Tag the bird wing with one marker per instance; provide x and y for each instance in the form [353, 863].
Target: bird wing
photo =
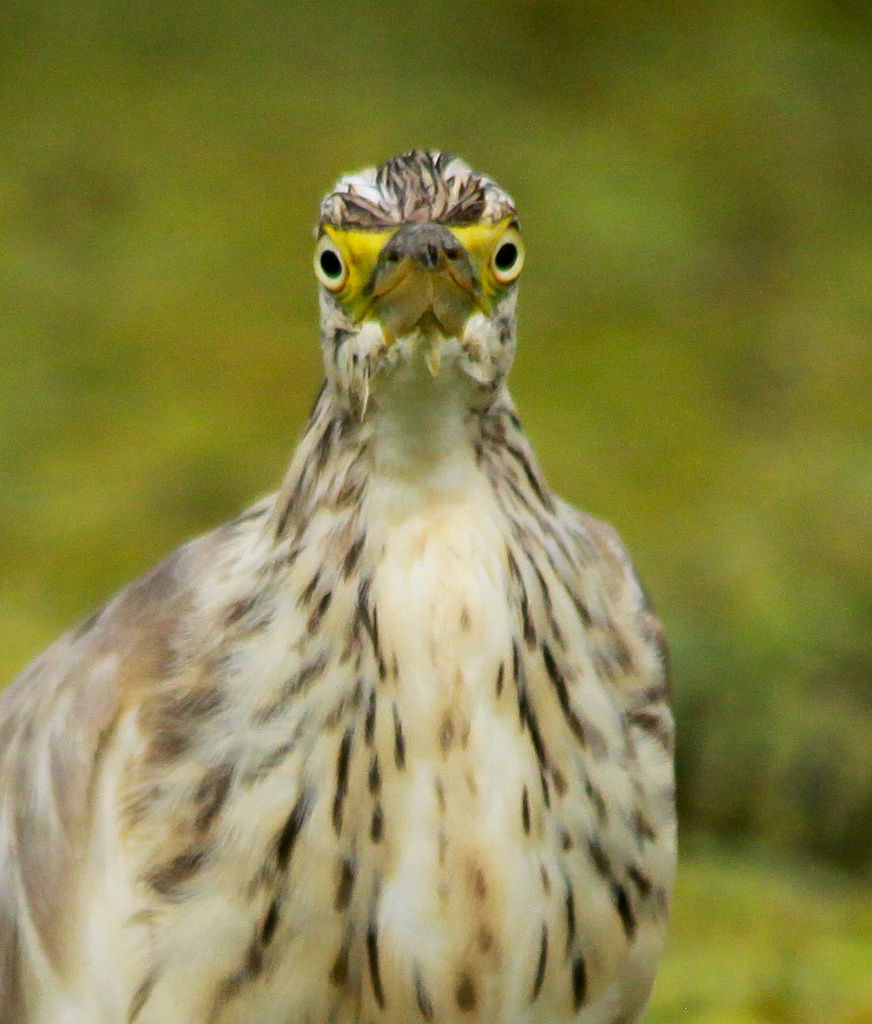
[55, 720]
[626, 614]
[631, 659]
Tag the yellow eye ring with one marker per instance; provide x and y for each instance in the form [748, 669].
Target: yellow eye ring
[330, 266]
[507, 259]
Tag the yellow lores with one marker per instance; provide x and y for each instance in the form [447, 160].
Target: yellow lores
[387, 274]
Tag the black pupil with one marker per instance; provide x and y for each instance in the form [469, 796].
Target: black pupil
[330, 263]
[506, 256]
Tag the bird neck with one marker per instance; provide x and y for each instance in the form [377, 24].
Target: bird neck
[423, 437]
[422, 426]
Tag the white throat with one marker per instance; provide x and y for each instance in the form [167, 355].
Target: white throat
[422, 425]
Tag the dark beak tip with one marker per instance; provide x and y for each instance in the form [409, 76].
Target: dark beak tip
[430, 256]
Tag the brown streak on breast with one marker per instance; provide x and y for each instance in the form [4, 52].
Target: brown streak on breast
[211, 795]
[446, 732]
[169, 878]
[477, 881]
[464, 994]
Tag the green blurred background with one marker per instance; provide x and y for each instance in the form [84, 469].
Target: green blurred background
[695, 362]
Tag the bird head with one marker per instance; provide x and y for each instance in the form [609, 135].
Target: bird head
[417, 262]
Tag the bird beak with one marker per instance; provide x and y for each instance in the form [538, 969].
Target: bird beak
[424, 279]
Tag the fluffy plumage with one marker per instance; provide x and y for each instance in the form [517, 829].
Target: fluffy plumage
[394, 745]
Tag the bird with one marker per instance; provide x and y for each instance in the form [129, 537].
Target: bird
[393, 745]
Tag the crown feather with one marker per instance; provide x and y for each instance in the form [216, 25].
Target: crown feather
[416, 186]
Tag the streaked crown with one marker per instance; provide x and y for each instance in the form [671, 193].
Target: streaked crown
[417, 186]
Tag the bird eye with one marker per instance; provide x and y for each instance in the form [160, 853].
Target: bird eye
[330, 268]
[508, 257]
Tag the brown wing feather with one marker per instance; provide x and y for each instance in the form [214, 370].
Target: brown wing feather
[645, 666]
[54, 719]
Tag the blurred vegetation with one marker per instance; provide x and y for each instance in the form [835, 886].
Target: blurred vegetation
[752, 942]
[695, 360]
